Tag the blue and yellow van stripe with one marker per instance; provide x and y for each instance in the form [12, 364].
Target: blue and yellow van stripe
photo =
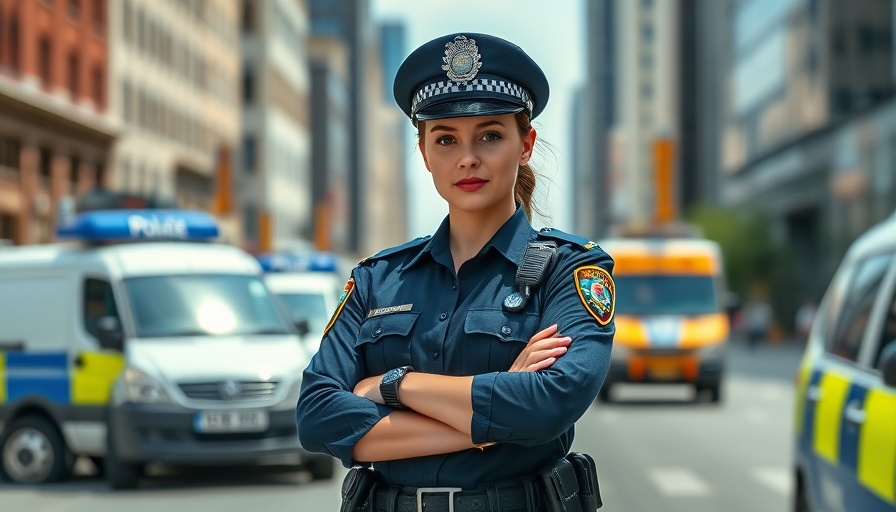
[870, 452]
[50, 376]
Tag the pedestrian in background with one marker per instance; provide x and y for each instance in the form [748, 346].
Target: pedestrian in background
[457, 364]
[757, 320]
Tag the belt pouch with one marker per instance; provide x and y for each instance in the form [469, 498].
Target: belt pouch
[561, 488]
[586, 476]
[357, 489]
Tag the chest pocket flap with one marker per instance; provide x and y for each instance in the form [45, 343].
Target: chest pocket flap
[394, 324]
[504, 325]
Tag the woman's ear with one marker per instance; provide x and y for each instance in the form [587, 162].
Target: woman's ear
[528, 146]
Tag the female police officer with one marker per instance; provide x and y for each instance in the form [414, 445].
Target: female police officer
[457, 364]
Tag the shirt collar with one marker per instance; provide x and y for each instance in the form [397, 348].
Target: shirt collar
[510, 240]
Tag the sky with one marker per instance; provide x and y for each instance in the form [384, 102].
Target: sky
[552, 33]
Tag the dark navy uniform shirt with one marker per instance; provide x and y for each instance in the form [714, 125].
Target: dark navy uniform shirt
[453, 324]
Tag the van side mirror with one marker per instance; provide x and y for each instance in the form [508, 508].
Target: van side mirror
[888, 364]
[302, 326]
[109, 333]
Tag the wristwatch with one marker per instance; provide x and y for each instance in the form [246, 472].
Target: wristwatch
[389, 385]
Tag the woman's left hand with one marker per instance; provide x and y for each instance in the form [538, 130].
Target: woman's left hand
[369, 388]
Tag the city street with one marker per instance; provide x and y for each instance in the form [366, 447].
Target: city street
[656, 449]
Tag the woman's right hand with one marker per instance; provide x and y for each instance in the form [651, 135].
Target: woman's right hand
[542, 351]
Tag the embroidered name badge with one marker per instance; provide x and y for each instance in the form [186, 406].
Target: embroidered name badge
[597, 291]
[346, 292]
[388, 310]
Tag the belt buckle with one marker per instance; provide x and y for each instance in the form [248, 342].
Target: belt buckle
[437, 490]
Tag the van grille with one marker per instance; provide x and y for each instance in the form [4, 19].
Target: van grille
[229, 390]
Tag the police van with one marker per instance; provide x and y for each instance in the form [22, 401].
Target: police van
[309, 285]
[845, 411]
[138, 341]
[671, 325]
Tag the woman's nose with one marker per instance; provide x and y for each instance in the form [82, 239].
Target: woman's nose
[468, 158]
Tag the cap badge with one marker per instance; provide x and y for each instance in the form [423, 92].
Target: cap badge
[461, 59]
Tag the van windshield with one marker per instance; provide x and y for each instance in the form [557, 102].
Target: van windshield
[665, 295]
[202, 305]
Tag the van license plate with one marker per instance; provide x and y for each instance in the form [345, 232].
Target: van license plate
[231, 421]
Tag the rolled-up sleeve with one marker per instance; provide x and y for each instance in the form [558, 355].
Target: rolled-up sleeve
[329, 416]
[533, 408]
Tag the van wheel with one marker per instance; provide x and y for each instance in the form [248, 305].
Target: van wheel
[800, 502]
[604, 394]
[321, 468]
[120, 474]
[33, 452]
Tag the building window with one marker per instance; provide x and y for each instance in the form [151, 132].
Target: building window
[248, 85]
[99, 176]
[75, 173]
[2, 41]
[13, 42]
[45, 168]
[73, 72]
[44, 61]
[127, 25]
[99, 16]
[97, 79]
[9, 153]
[647, 32]
[74, 9]
[249, 153]
[248, 17]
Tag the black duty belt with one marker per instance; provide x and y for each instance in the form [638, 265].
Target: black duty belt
[516, 497]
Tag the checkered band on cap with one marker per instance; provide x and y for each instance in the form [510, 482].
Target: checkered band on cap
[479, 84]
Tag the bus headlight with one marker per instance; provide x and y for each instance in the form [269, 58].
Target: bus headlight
[141, 388]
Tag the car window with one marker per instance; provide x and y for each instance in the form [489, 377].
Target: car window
[98, 302]
[888, 332]
[861, 290]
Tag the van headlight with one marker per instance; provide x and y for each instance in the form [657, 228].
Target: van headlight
[141, 388]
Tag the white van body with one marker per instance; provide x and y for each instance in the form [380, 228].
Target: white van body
[210, 396]
[308, 296]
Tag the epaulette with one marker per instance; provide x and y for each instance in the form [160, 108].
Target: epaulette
[397, 249]
[563, 236]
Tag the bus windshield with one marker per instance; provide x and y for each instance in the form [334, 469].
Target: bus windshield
[665, 295]
[203, 305]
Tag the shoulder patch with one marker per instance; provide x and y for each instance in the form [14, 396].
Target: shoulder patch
[597, 291]
[397, 249]
[346, 292]
[569, 238]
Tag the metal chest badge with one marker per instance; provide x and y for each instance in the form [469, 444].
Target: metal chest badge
[597, 291]
[461, 59]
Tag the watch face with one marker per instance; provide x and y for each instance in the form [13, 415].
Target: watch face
[392, 375]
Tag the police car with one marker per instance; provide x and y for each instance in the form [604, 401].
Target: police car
[308, 284]
[845, 417]
[140, 341]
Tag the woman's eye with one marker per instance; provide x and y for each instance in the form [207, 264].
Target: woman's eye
[491, 136]
[444, 141]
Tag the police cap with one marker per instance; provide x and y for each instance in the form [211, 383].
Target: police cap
[469, 74]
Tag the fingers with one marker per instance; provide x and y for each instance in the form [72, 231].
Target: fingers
[545, 333]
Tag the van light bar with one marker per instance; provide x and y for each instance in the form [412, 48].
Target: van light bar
[120, 225]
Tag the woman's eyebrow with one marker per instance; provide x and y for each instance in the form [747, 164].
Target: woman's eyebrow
[480, 125]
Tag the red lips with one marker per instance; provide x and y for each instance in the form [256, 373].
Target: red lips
[470, 184]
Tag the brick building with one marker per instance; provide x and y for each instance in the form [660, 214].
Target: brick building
[54, 134]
